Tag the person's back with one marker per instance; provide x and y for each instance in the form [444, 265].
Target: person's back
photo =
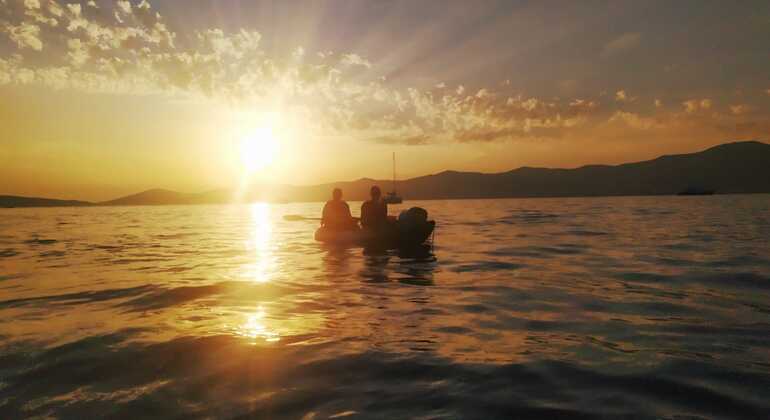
[374, 212]
[336, 213]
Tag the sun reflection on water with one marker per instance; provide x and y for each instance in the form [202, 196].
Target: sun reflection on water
[259, 243]
[255, 327]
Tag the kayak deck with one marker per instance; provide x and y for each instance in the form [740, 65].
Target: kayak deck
[397, 237]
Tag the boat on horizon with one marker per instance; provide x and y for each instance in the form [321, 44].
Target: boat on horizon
[392, 197]
[696, 191]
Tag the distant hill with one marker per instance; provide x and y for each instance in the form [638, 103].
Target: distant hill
[741, 167]
[17, 201]
[160, 196]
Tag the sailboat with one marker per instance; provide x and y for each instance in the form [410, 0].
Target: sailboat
[393, 197]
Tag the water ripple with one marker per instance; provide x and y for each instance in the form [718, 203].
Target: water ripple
[626, 307]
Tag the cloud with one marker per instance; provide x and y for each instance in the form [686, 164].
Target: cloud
[55, 9]
[740, 109]
[337, 94]
[78, 53]
[355, 60]
[635, 120]
[695, 105]
[483, 93]
[583, 104]
[622, 96]
[25, 35]
[124, 6]
[622, 43]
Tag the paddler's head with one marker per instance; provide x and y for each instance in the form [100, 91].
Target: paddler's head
[337, 194]
[375, 193]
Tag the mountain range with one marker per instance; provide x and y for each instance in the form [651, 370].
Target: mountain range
[740, 167]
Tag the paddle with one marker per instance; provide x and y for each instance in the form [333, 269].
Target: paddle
[298, 218]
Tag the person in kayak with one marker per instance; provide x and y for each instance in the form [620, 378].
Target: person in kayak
[374, 212]
[336, 213]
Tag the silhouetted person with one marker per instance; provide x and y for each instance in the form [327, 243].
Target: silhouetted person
[336, 213]
[374, 212]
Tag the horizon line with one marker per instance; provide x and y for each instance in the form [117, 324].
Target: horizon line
[273, 185]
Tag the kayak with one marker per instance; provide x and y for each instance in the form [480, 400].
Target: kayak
[397, 237]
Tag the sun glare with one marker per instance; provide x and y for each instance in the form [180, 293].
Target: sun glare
[259, 147]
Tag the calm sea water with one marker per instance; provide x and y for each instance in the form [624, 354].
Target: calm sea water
[638, 307]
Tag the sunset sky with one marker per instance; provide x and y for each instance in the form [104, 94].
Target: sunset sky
[101, 98]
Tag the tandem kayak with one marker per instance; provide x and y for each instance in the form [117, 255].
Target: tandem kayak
[397, 237]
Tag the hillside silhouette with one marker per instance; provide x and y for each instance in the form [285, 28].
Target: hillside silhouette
[18, 201]
[731, 168]
[742, 167]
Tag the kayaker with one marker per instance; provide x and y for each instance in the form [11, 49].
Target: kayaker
[374, 212]
[336, 213]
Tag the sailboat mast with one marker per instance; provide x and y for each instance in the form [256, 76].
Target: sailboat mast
[394, 172]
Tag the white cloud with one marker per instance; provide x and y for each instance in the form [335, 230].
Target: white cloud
[634, 120]
[55, 8]
[483, 93]
[583, 104]
[624, 42]
[124, 6]
[74, 8]
[739, 109]
[530, 104]
[7, 68]
[691, 105]
[695, 105]
[77, 52]
[25, 35]
[90, 51]
[355, 60]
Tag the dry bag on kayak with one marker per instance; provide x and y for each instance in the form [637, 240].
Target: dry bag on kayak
[412, 218]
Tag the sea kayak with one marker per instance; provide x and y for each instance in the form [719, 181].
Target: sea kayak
[397, 237]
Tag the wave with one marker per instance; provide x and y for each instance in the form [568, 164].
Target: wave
[219, 376]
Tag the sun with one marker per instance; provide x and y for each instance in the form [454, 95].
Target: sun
[259, 147]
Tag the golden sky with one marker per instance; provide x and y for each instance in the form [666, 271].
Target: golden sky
[103, 98]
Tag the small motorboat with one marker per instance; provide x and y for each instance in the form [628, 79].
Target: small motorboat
[393, 197]
[398, 237]
[696, 191]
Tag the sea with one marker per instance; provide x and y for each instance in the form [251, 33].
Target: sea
[622, 307]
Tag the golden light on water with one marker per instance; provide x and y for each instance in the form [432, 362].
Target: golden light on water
[259, 244]
[259, 270]
[255, 327]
